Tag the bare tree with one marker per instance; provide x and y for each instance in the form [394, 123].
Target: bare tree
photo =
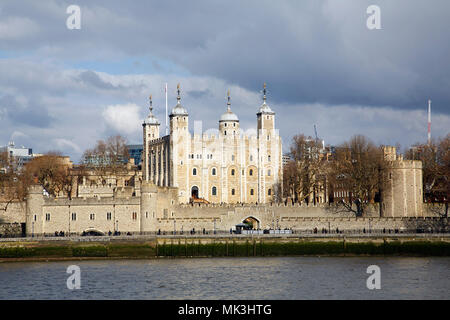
[304, 176]
[107, 157]
[435, 158]
[52, 171]
[356, 169]
[13, 184]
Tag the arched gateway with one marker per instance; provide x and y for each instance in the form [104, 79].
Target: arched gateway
[252, 222]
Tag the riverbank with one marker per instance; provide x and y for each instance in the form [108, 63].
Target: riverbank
[218, 246]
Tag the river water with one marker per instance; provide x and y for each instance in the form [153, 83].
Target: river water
[230, 278]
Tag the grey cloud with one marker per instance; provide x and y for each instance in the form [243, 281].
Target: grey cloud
[32, 114]
[197, 94]
[91, 78]
[309, 51]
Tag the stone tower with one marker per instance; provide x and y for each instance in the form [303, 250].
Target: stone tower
[229, 122]
[269, 151]
[148, 206]
[179, 143]
[401, 186]
[150, 132]
[34, 214]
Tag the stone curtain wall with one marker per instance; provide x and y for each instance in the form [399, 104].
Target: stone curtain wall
[11, 219]
[15, 212]
[126, 217]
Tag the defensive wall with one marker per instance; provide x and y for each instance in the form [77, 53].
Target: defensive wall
[151, 213]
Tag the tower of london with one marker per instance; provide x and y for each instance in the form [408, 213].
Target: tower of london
[228, 167]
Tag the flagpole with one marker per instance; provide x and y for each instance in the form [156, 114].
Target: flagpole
[167, 129]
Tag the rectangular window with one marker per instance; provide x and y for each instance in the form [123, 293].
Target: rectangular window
[92, 216]
[108, 216]
[74, 216]
[47, 217]
[134, 215]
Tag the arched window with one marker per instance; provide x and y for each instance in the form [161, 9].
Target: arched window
[214, 191]
[268, 158]
[213, 171]
[232, 192]
[269, 192]
[250, 173]
[194, 171]
[268, 172]
[251, 192]
[232, 172]
[225, 132]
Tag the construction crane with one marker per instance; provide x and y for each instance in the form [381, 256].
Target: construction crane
[315, 132]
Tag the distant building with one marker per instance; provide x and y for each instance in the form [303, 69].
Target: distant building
[20, 155]
[135, 152]
[286, 158]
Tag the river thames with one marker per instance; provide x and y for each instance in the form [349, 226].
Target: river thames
[230, 278]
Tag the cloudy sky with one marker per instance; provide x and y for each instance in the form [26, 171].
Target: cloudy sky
[63, 89]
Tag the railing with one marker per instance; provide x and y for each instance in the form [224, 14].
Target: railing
[222, 234]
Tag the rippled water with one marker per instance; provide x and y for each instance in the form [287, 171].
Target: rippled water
[230, 278]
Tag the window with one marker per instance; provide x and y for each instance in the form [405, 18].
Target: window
[214, 191]
[268, 137]
[146, 215]
[74, 216]
[92, 216]
[251, 158]
[234, 124]
[232, 192]
[108, 216]
[213, 171]
[35, 217]
[232, 157]
[225, 124]
[47, 217]
[268, 172]
[194, 171]
[269, 192]
[267, 117]
[268, 158]
[252, 192]
[225, 132]
[232, 172]
[250, 173]
[134, 215]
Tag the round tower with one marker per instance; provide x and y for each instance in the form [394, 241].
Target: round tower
[148, 207]
[229, 122]
[179, 117]
[150, 132]
[401, 186]
[34, 210]
[179, 146]
[265, 115]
